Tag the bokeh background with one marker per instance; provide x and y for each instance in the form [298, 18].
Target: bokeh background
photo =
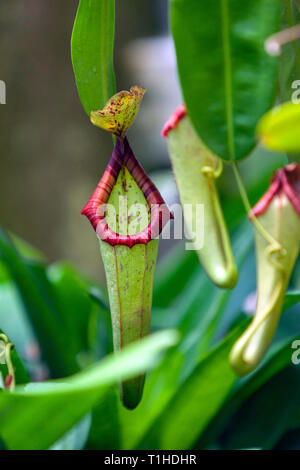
[51, 159]
[51, 156]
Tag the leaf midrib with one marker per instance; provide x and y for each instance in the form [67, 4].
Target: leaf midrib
[104, 48]
[227, 77]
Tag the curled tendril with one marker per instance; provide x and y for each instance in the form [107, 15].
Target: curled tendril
[274, 247]
[4, 338]
[2, 353]
[213, 172]
[275, 252]
[10, 381]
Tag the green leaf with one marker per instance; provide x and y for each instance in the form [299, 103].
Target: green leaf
[278, 358]
[227, 79]
[99, 296]
[196, 401]
[290, 440]
[92, 52]
[58, 304]
[12, 313]
[35, 417]
[26, 250]
[173, 274]
[76, 438]
[37, 295]
[105, 432]
[74, 304]
[278, 401]
[2, 445]
[291, 298]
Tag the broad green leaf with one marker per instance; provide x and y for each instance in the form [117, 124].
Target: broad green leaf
[290, 440]
[26, 250]
[291, 298]
[227, 79]
[105, 432]
[58, 305]
[99, 295]
[266, 415]
[195, 402]
[36, 294]
[92, 52]
[279, 128]
[277, 359]
[76, 438]
[74, 304]
[12, 313]
[173, 274]
[2, 445]
[37, 416]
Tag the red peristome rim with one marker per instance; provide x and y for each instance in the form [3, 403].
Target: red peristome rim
[266, 199]
[173, 120]
[123, 156]
[286, 180]
[8, 381]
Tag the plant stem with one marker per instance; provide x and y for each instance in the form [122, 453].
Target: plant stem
[257, 225]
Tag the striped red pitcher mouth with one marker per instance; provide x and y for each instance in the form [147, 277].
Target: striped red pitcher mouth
[123, 156]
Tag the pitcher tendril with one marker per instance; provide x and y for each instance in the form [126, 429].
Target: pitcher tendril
[274, 247]
[214, 172]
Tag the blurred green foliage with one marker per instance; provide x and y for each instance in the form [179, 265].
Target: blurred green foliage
[192, 398]
[60, 324]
